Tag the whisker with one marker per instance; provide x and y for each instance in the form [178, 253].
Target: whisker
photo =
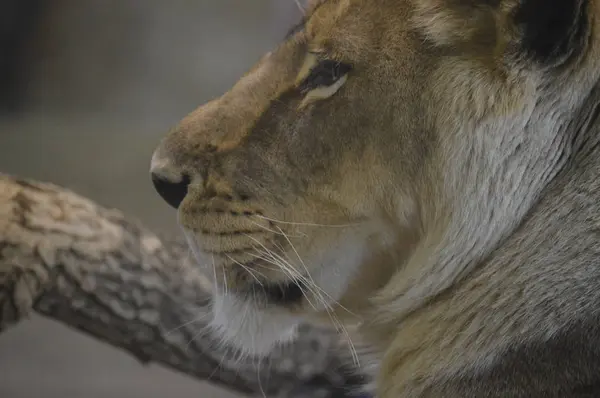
[275, 232]
[297, 255]
[334, 302]
[225, 283]
[282, 264]
[331, 314]
[293, 274]
[314, 288]
[307, 224]
[201, 333]
[198, 319]
[351, 347]
[246, 268]
[279, 262]
[287, 267]
[220, 362]
[192, 246]
[260, 387]
[215, 275]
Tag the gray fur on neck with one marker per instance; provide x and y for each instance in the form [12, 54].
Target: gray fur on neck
[537, 297]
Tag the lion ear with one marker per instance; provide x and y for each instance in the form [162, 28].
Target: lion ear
[552, 31]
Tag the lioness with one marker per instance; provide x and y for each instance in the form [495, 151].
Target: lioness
[424, 175]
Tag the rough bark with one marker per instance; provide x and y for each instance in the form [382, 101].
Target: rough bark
[98, 271]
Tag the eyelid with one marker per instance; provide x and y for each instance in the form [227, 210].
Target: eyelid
[310, 62]
[322, 92]
[315, 62]
[324, 73]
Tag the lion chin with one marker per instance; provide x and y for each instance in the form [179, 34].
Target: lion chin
[421, 173]
[252, 330]
[245, 321]
[257, 318]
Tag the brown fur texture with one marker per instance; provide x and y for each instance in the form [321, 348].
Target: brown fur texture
[425, 173]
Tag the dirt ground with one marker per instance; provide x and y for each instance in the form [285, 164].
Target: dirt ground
[111, 76]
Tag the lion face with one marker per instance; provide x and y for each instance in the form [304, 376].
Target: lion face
[304, 188]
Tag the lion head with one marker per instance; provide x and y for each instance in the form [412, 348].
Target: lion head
[373, 158]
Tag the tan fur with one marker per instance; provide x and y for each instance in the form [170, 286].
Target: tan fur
[413, 198]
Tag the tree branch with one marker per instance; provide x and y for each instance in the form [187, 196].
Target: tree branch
[96, 270]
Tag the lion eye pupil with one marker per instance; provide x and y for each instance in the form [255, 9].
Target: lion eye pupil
[325, 73]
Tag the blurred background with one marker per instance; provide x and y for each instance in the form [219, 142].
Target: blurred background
[87, 88]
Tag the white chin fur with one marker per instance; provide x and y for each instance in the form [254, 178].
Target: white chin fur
[252, 330]
[255, 330]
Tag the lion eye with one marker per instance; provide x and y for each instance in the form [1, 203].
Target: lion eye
[324, 74]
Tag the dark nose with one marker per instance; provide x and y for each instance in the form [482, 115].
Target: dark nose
[172, 192]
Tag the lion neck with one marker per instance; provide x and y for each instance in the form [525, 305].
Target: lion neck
[548, 144]
[486, 185]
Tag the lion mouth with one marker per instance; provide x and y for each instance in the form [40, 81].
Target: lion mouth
[284, 293]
